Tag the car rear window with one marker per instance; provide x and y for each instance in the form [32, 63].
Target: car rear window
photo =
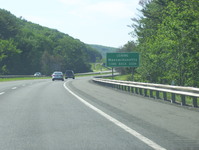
[58, 73]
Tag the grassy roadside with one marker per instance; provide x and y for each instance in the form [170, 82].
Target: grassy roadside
[33, 78]
[127, 77]
[24, 78]
[96, 67]
[94, 74]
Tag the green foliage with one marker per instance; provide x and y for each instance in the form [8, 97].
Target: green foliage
[9, 26]
[22, 78]
[104, 49]
[129, 47]
[168, 41]
[98, 67]
[8, 53]
[27, 48]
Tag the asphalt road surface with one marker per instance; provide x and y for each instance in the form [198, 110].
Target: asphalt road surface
[81, 115]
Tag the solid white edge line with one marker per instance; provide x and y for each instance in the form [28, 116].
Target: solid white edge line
[118, 123]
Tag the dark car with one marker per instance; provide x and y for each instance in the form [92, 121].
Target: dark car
[57, 76]
[69, 74]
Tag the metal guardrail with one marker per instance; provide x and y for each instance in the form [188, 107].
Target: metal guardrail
[155, 90]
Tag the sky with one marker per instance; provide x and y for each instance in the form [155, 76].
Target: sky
[101, 22]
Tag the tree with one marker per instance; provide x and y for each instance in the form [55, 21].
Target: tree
[8, 55]
[168, 41]
[33, 43]
[9, 26]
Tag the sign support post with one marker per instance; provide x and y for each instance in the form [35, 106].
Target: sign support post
[133, 73]
[112, 72]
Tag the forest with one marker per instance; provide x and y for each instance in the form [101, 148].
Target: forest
[26, 48]
[167, 33]
[104, 49]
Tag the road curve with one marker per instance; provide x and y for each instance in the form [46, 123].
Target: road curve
[41, 114]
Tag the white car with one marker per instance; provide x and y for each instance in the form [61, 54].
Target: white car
[37, 74]
[57, 75]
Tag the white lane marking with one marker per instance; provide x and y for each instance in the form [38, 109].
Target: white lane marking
[144, 139]
[14, 88]
[2, 93]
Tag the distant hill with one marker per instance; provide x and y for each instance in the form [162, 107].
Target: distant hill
[26, 48]
[103, 49]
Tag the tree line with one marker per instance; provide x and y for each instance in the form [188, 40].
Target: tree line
[167, 34]
[26, 48]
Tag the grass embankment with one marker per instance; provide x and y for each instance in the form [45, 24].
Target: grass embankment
[21, 78]
[96, 67]
[127, 77]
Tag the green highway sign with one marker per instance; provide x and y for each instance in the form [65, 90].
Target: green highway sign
[122, 59]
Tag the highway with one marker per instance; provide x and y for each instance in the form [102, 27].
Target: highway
[81, 115]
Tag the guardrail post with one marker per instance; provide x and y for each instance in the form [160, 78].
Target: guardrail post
[129, 89]
[165, 96]
[140, 91]
[145, 93]
[195, 103]
[125, 88]
[132, 90]
[173, 98]
[151, 93]
[157, 95]
[136, 90]
[183, 100]
[112, 85]
[107, 84]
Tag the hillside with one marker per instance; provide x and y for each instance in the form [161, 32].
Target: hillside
[104, 49]
[26, 48]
